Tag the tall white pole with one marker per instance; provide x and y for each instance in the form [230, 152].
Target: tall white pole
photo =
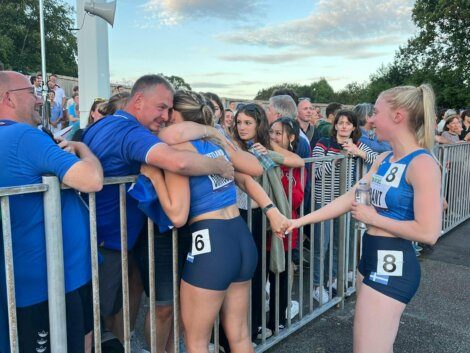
[93, 60]
[45, 117]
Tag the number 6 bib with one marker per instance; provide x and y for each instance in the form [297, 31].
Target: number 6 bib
[390, 263]
[201, 242]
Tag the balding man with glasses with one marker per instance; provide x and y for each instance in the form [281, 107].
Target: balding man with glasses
[27, 155]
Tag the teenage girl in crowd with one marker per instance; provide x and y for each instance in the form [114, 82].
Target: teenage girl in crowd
[285, 133]
[252, 132]
[344, 139]
[405, 193]
[220, 265]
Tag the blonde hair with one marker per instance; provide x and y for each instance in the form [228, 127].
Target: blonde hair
[419, 102]
[193, 107]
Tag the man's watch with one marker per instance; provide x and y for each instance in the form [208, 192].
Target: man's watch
[267, 208]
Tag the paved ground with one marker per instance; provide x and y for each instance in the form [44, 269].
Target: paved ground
[436, 321]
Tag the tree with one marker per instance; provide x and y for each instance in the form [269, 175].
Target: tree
[178, 82]
[266, 93]
[440, 52]
[20, 41]
[321, 91]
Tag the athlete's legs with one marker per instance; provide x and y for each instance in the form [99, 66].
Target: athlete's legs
[376, 321]
[199, 308]
[235, 317]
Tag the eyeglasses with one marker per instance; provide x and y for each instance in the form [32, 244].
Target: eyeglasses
[30, 89]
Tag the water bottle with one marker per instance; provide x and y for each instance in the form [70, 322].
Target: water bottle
[362, 197]
[266, 162]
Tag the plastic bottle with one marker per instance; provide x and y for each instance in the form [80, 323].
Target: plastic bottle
[265, 161]
[362, 197]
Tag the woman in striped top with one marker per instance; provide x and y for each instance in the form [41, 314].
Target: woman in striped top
[344, 139]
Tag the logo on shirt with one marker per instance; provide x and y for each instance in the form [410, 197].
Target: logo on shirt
[216, 180]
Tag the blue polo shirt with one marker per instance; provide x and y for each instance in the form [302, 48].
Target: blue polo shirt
[28, 154]
[122, 144]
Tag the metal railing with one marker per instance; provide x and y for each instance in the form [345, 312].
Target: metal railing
[455, 193]
[454, 190]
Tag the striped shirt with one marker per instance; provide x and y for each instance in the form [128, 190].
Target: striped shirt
[327, 147]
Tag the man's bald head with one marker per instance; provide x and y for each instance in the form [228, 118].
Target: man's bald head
[18, 100]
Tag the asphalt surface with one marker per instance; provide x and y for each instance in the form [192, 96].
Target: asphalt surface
[436, 321]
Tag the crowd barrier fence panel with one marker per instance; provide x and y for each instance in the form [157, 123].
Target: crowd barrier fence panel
[456, 170]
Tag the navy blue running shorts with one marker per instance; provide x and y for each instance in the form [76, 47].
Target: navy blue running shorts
[222, 252]
[389, 265]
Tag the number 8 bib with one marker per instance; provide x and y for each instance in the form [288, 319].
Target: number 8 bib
[390, 263]
[201, 242]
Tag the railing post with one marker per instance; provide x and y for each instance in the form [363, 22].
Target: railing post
[9, 273]
[55, 265]
[343, 186]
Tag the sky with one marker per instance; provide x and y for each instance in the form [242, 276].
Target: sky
[236, 47]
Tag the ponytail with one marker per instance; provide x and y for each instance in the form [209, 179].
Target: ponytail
[419, 102]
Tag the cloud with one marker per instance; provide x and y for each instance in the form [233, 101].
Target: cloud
[346, 28]
[217, 85]
[171, 12]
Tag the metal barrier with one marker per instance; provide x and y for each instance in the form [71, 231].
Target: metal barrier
[300, 290]
[455, 163]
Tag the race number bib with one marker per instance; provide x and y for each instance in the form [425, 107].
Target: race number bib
[201, 242]
[393, 175]
[390, 263]
[378, 192]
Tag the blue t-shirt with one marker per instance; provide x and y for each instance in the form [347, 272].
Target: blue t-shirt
[121, 144]
[210, 192]
[30, 155]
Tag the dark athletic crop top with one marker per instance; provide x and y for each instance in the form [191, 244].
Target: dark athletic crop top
[391, 195]
[210, 192]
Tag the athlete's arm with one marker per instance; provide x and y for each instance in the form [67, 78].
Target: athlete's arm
[244, 162]
[187, 162]
[338, 206]
[186, 131]
[255, 191]
[173, 192]
[425, 177]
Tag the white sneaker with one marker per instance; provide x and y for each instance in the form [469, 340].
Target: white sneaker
[294, 309]
[324, 294]
[269, 333]
[351, 276]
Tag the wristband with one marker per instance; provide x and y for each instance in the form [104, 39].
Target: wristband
[267, 208]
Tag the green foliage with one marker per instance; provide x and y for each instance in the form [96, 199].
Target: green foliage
[439, 53]
[178, 82]
[321, 91]
[266, 93]
[20, 41]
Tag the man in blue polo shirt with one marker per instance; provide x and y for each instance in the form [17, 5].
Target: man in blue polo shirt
[122, 142]
[28, 154]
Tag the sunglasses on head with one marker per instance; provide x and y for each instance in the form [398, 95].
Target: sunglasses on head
[251, 108]
[285, 120]
[304, 99]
